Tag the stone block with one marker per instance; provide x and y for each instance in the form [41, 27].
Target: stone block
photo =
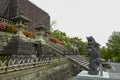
[85, 76]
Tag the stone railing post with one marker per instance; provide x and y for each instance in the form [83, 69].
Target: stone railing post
[101, 70]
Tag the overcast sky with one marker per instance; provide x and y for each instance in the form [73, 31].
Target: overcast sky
[83, 18]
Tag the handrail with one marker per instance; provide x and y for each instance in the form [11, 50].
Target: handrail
[63, 53]
[70, 52]
[56, 49]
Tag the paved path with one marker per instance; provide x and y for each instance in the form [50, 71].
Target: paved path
[114, 73]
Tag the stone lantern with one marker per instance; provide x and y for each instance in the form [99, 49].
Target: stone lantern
[47, 34]
[21, 24]
[40, 32]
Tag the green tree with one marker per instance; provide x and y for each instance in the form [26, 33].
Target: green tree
[114, 45]
[69, 42]
[80, 45]
[62, 37]
[105, 53]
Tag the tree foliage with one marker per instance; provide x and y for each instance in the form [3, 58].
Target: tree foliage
[112, 51]
[62, 37]
[81, 46]
[114, 46]
[105, 53]
[74, 42]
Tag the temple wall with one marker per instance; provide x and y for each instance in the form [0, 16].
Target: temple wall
[10, 8]
[34, 13]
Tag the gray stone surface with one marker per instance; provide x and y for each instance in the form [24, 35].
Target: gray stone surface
[114, 73]
[85, 76]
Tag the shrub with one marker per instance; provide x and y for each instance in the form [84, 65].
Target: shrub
[2, 26]
[8, 28]
[55, 40]
[28, 34]
[11, 29]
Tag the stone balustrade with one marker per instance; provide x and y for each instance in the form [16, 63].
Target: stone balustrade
[7, 21]
[24, 63]
[57, 69]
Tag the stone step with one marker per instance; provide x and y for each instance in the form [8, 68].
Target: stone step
[80, 60]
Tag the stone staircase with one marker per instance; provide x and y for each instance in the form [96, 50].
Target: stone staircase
[10, 45]
[80, 60]
[72, 56]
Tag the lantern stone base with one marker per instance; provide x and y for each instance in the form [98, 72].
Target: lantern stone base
[85, 76]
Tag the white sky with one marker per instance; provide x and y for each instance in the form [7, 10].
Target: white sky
[83, 18]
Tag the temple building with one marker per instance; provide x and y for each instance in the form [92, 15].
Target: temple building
[29, 21]
[12, 8]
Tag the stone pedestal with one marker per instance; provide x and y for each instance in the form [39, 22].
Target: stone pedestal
[18, 46]
[85, 76]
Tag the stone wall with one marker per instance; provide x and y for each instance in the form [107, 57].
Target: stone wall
[59, 69]
[4, 39]
[12, 44]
